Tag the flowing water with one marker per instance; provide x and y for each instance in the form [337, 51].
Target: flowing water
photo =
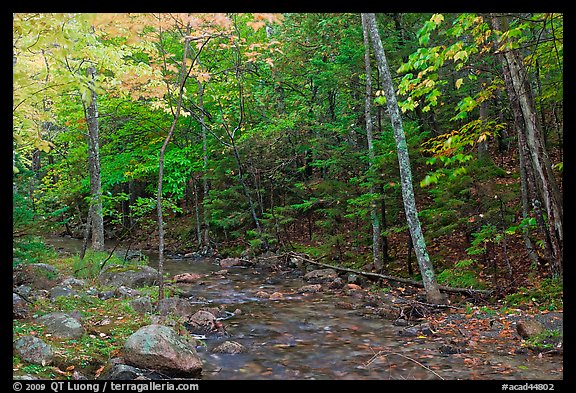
[304, 336]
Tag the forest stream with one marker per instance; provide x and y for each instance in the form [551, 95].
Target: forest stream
[305, 336]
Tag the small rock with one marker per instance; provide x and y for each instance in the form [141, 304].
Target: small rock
[276, 296]
[19, 307]
[142, 305]
[230, 347]
[176, 306]
[34, 350]
[121, 372]
[354, 287]
[125, 292]
[262, 294]
[73, 282]
[229, 262]
[448, 349]
[312, 288]
[321, 276]
[400, 322]
[187, 278]
[345, 305]
[529, 328]
[60, 290]
[221, 272]
[337, 283]
[237, 312]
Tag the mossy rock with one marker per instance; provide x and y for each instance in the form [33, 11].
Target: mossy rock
[129, 276]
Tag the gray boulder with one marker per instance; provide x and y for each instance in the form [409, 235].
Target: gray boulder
[19, 307]
[35, 275]
[34, 350]
[160, 348]
[62, 325]
[129, 276]
[321, 276]
[73, 282]
[175, 306]
[61, 290]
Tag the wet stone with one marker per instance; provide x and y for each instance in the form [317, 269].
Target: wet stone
[230, 347]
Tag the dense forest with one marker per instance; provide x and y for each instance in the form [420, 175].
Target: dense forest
[421, 148]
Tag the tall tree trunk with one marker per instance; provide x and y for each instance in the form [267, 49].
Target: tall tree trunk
[433, 293]
[161, 172]
[94, 167]
[376, 233]
[546, 184]
[205, 185]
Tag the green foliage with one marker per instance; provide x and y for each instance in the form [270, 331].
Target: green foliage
[90, 267]
[463, 275]
[546, 294]
[31, 249]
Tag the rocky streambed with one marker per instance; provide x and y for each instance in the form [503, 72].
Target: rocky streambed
[274, 318]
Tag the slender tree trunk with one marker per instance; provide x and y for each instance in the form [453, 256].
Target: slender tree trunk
[433, 293]
[546, 184]
[376, 233]
[205, 184]
[94, 167]
[161, 173]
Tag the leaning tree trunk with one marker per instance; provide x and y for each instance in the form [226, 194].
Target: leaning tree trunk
[376, 232]
[94, 168]
[433, 293]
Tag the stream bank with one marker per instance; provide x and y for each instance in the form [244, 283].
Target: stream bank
[298, 325]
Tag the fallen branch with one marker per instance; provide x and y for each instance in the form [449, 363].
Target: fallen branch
[419, 284]
[381, 353]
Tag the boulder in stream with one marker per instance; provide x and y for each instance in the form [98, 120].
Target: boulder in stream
[230, 347]
[159, 347]
[187, 278]
[229, 262]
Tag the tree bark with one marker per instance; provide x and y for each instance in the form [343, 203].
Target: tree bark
[520, 89]
[433, 294]
[205, 185]
[161, 173]
[376, 233]
[94, 167]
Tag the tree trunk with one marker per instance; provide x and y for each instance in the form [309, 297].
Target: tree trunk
[94, 167]
[376, 233]
[433, 293]
[161, 173]
[205, 185]
[545, 182]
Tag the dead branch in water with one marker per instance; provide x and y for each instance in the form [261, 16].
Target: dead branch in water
[419, 284]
